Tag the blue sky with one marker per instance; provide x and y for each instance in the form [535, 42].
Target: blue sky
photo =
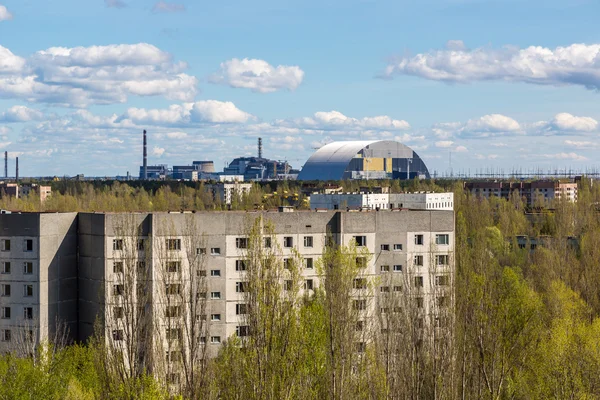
[497, 84]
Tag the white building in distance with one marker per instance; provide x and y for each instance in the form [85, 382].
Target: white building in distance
[383, 201]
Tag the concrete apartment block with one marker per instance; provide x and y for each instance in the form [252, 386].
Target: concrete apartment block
[38, 277]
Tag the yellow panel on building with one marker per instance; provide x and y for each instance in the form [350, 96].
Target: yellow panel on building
[374, 164]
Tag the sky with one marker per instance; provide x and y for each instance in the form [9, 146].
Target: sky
[471, 85]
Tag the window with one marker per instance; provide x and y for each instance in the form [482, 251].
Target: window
[5, 244]
[117, 244]
[308, 284]
[240, 287]
[359, 305]
[141, 244]
[118, 290]
[215, 339]
[308, 241]
[201, 250]
[442, 239]
[28, 245]
[397, 288]
[360, 240]
[173, 266]
[202, 339]
[385, 247]
[241, 309]
[442, 301]
[240, 265]
[442, 259]
[6, 267]
[28, 312]
[28, 290]
[268, 242]
[173, 244]
[384, 289]
[241, 243]
[5, 335]
[118, 267]
[384, 268]
[308, 263]
[361, 347]
[288, 241]
[215, 251]
[173, 333]
[174, 356]
[173, 378]
[397, 247]
[5, 290]
[361, 262]
[215, 295]
[242, 330]
[359, 283]
[141, 266]
[442, 280]
[5, 313]
[173, 288]
[288, 263]
[215, 317]
[419, 301]
[418, 260]
[287, 285]
[215, 272]
[397, 268]
[118, 312]
[201, 295]
[27, 268]
[419, 240]
[418, 281]
[360, 325]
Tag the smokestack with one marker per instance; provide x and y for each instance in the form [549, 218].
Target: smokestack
[145, 174]
[6, 164]
[17, 173]
[259, 147]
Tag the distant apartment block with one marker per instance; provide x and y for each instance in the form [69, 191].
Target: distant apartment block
[19, 190]
[540, 191]
[227, 191]
[382, 201]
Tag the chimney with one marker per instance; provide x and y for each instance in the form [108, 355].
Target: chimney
[259, 147]
[145, 174]
[17, 173]
[6, 164]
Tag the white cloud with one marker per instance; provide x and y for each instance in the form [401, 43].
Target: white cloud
[21, 114]
[5, 130]
[205, 111]
[158, 151]
[456, 45]
[576, 64]
[80, 76]
[335, 121]
[444, 144]
[461, 149]
[486, 126]
[568, 122]
[258, 75]
[565, 156]
[582, 145]
[115, 4]
[5, 15]
[164, 7]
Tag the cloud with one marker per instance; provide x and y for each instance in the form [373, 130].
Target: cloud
[335, 121]
[258, 75]
[81, 76]
[576, 64]
[568, 122]
[5, 15]
[158, 151]
[565, 156]
[164, 7]
[444, 144]
[461, 149]
[582, 145]
[115, 4]
[20, 114]
[191, 114]
[486, 126]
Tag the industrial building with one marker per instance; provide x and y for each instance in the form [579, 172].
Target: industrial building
[373, 159]
[259, 168]
[90, 268]
[535, 191]
[382, 201]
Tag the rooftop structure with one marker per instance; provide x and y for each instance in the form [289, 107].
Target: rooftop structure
[382, 201]
[371, 159]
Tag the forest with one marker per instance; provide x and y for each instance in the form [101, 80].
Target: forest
[523, 320]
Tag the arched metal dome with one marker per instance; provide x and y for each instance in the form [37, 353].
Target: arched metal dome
[373, 159]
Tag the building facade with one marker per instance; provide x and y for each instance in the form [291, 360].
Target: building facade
[534, 192]
[382, 201]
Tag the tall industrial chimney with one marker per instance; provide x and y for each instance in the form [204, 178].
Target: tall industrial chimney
[259, 147]
[17, 173]
[145, 174]
[6, 164]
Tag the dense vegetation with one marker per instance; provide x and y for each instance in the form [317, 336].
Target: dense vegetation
[525, 323]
